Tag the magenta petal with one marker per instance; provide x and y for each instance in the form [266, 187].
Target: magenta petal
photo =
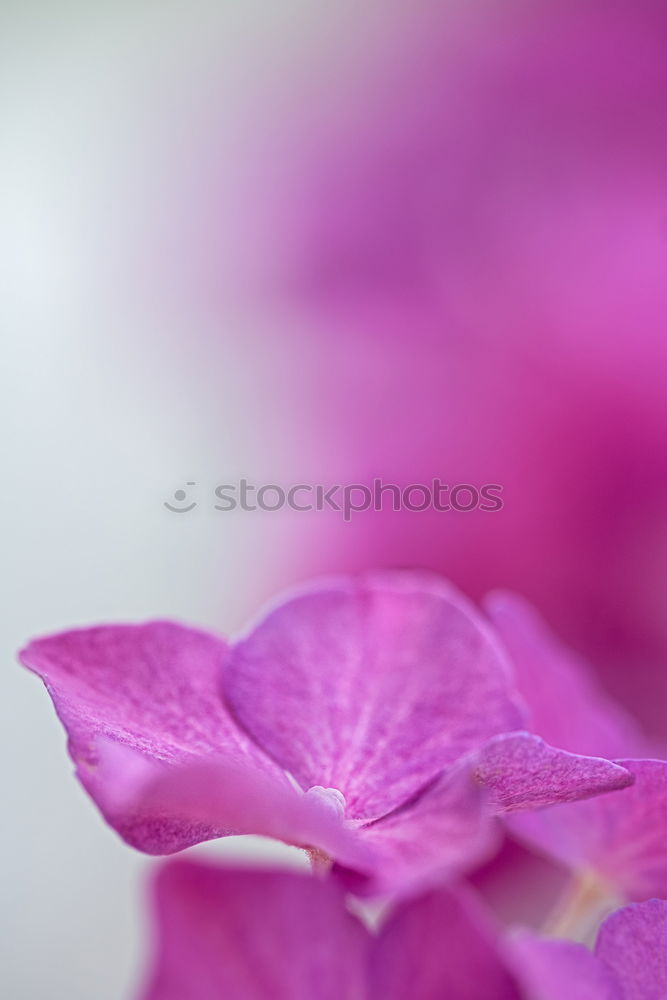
[450, 827]
[226, 933]
[440, 834]
[136, 700]
[521, 771]
[241, 799]
[439, 945]
[622, 836]
[371, 686]
[555, 970]
[633, 943]
[567, 707]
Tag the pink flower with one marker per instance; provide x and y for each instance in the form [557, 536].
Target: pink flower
[374, 721]
[224, 932]
[228, 933]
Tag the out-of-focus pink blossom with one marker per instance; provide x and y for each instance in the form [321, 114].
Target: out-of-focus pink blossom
[478, 240]
[567, 705]
[222, 932]
[227, 933]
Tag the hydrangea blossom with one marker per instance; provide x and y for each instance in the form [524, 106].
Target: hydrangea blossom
[228, 933]
[225, 932]
[373, 720]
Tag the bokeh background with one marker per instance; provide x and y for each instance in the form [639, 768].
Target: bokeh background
[312, 243]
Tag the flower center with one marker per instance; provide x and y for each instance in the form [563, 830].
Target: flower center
[331, 798]
[577, 915]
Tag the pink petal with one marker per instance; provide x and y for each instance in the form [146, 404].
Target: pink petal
[621, 836]
[519, 885]
[521, 771]
[628, 963]
[439, 946]
[553, 970]
[371, 686]
[451, 826]
[238, 799]
[239, 934]
[443, 832]
[633, 943]
[567, 707]
[137, 701]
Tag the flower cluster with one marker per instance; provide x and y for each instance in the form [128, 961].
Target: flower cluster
[397, 734]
